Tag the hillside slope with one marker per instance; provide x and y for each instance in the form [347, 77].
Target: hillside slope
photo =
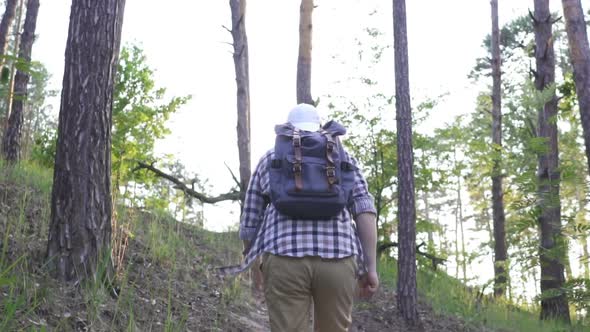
[168, 281]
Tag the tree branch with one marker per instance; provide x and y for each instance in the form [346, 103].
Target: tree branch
[233, 176]
[230, 196]
[435, 260]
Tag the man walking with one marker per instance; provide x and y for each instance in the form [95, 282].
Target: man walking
[297, 215]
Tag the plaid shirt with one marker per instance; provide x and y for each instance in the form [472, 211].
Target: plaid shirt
[278, 234]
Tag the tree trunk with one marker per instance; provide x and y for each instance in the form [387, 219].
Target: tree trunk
[580, 59]
[5, 24]
[80, 227]
[582, 236]
[304, 59]
[240, 43]
[585, 256]
[427, 216]
[11, 147]
[554, 304]
[500, 254]
[407, 294]
[10, 92]
[459, 229]
[463, 251]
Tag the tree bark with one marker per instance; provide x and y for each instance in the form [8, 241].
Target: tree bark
[10, 71]
[240, 43]
[580, 59]
[5, 24]
[11, 147]
[304, 59]
[80, 227]
[554, 304]
[500, 251]
[407, 294]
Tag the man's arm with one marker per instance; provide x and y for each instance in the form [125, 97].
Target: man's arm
[363, 210]
[367, 230]
[254, 205]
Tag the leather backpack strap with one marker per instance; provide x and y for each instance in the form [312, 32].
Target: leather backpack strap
[331, 167]
[297, 166]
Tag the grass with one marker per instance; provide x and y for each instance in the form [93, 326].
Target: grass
[28, 174]
[21, 293]
[449, 296]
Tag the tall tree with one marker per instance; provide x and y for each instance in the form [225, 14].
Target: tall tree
[11, 146]
[5, 25]
[580, 59]
[8, 73]
[240, 43]
[500, 254]
[407, 294]
[554, 303]
[304, 59]
[80, 226]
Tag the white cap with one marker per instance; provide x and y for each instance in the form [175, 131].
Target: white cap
[304, 117]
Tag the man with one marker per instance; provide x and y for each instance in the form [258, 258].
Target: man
[309, 260]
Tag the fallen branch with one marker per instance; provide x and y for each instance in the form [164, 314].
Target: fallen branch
[435, 260]
[233, 195]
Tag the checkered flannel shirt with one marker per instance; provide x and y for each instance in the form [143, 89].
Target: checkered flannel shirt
[278, 234]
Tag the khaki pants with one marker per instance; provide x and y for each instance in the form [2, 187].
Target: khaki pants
[291, 283]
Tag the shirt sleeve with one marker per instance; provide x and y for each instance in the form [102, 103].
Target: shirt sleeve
[255, 202]
[362, 201]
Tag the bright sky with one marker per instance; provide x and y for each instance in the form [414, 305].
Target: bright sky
[186, 44]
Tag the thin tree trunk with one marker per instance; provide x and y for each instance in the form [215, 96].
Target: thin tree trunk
[10, 92]
[554, 304]
[457, 219]
[567, 265]
[500, 251]
[427, 215]
[80, 228]
[5, 24]
[489, 229]
[304, 59]
[459, 224]
[463, 251]
[240, 43]
[582, 236]
[11, 147]
[407, 294]
[585, 256]
[580, 59]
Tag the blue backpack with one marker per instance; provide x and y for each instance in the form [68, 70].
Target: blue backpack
[310, 175]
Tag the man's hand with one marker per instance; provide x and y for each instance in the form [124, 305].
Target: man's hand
[256, 277]
[255, 272]
[368, 285]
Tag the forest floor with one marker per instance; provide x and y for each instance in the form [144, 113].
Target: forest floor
[168, 282]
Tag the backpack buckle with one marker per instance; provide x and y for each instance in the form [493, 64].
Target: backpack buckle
[296, 140]
[331, 171]
[297, 168]
[330, 146]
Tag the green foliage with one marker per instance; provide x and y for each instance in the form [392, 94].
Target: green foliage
[45, 148]
[139, 116]
[449, 296]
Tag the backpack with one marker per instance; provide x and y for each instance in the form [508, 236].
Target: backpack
[311, 176]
